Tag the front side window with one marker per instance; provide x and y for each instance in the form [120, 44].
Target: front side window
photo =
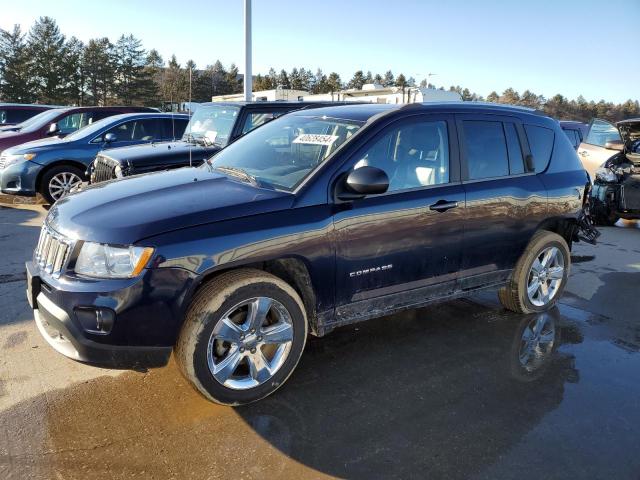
[136, 130]
[212, 124]
[601, 132]
[486, 149]
[541, 144]
[73, 122]
[412, 155]
[256, 119]
[282, 153]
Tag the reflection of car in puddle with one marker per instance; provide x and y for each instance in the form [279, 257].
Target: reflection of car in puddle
[449, 384]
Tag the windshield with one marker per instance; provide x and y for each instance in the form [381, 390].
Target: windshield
[40, 120]
[211, 124]
[282, 153]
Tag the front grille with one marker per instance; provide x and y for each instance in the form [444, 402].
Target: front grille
[53, 251]
[104, 169]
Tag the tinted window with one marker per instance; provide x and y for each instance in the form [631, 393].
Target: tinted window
[3, 116]
[18, 116]
[541, 145]
[135, 130]
[486, 149]
[100, 114]
[516, 161]
[256, 119]
[602, 132]
[413, 155]
[573, 137]
[174, 128]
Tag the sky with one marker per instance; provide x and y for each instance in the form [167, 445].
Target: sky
[569, 47]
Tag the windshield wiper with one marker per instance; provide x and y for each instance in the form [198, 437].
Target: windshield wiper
[240, 173]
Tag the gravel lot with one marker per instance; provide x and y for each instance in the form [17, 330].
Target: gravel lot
[431, 393]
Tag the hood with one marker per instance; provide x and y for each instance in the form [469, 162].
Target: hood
[11, 139]
[143, 153]
[128, 210]
[630, 133]
[37, 145]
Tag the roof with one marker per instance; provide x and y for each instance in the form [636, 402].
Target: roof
[29, 105]
[149, 114]
[363, 112]
[628, 121]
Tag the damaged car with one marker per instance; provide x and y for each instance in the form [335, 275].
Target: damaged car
[616, 188]
[318, 219]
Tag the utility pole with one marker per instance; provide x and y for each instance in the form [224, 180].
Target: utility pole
[248, 79]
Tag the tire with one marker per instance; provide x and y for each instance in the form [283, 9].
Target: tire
[55, 175]
[221, 308]
[514, 295]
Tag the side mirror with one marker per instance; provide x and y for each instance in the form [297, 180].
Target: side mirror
[614, 145]
[54, 129]
[363, 181]
[110, 138]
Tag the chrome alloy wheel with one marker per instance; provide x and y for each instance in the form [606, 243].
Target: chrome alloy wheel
[545, 276]
[250, 343]
[538, 339]
[62, 184]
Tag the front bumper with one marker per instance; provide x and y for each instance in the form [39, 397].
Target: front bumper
[145, 327]
[20, 178]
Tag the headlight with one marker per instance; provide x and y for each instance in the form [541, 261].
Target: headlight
[605, 175]
[11, 159]
[111, 261]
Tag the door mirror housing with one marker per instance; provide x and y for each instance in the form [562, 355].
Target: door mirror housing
[363, 181]
[54, 129]
[110, 137]
[617, 145]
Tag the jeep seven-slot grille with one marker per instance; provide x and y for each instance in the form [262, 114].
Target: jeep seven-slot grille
[52, 251]
[103, 169]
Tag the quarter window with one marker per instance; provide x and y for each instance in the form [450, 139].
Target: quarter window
[516, 162]
[256, 119]
[412, 155]
[541, 145]
[486, 149]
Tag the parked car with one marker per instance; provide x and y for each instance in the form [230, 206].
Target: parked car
[601, 142]
[318, 219]
[60, 122]
[213, 126]
[616, 188]
[14, 113]
[575, 131]
[55, 166]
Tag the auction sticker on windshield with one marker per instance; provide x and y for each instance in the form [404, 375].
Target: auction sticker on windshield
[315, 139]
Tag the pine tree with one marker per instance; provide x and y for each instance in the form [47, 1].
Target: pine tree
[389, 79]
[493, 97]
[357, 81]
[233, 84]
[129, 63]
[334, 83]
[401, 81]
[15, 75]
[378, 79]
[99, 67]
[46, 49]
[283, 79]
[510, 96]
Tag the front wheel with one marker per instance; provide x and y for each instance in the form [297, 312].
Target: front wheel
[540, 276]
[243, 336]
[60, 181]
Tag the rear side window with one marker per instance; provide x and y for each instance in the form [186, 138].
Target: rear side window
[516, 162]
[541, 145]
[486, 149]
[174, 128]
[19, 116]
[573, 137]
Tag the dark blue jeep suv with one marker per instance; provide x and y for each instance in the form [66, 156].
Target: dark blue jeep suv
[315, 220]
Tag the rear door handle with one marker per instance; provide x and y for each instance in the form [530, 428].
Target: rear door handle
[443, 205]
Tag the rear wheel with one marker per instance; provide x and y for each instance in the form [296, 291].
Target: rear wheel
[60, 181]
[243, 336]
[540, 276]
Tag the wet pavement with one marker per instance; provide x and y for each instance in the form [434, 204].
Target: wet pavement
[441, 392]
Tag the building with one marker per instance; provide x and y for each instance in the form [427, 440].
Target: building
[278, 94]
[376, 93]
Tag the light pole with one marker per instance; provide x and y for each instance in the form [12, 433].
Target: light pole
[248, 79]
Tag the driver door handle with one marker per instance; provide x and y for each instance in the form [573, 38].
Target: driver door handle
[443, 205]
[584, 153]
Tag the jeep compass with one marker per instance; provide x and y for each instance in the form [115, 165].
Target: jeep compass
[315, 220]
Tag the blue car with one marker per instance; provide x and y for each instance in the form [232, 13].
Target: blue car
[55, 166]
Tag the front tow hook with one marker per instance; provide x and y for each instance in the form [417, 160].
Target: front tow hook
[443, 205]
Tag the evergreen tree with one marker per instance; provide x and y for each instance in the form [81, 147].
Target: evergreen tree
[234, 85]
[510, 96]
[74, 71]
[493, 97]
[99, 68]
[388, 80]
[334, 83]
[46, 49]
[15, 74]
[378, 79]
[129, 63]
[401, 81]
[357, 81]
[152, 78]
[283, 79]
